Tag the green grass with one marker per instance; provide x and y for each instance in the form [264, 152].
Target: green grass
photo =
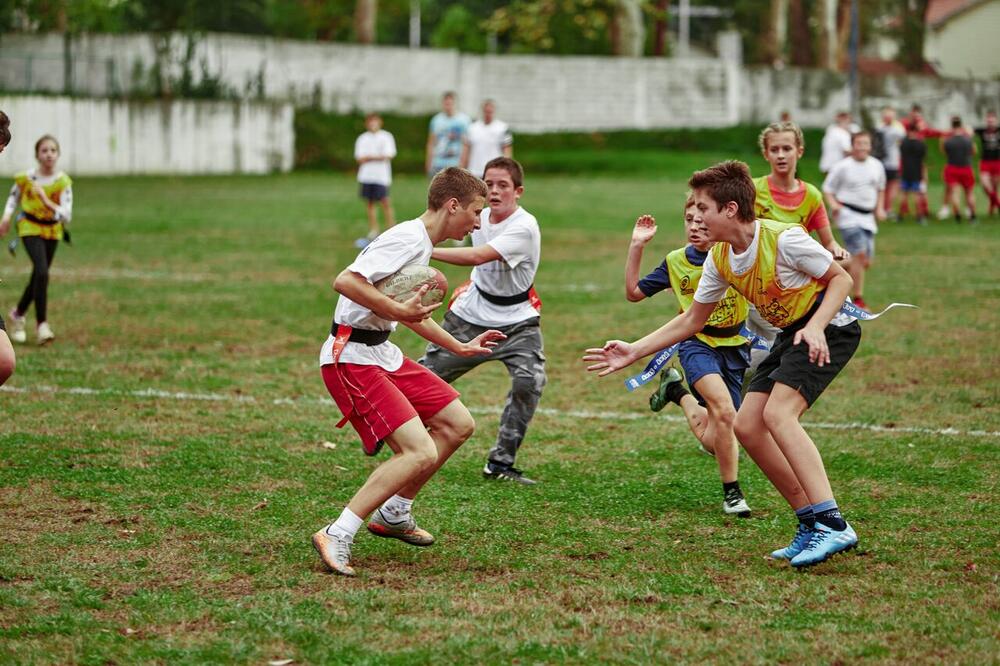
[144, 529]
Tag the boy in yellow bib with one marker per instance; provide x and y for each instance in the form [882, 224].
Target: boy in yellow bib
[797, 287]
[714, 360]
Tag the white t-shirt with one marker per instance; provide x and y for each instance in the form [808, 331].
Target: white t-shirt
[856, 183]
[519, 242]
[375, 144]
[486, 142]
[800, 258]
[404, 244]
[836, 144]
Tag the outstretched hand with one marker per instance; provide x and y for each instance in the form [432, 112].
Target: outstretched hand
[613, 356]
[483, 343]
[644, 230]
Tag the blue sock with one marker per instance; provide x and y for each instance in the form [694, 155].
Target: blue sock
[829, 515]
[806, 516]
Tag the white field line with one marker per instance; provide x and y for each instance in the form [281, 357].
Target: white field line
[574, 414]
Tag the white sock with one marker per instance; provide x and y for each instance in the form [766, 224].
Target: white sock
[397, 509]
[346, 526]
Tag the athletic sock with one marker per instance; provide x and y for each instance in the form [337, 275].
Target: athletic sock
[806, 516]
[396, 509]
[828, 514]
[346, 526]
[675, 392]
[731, 485]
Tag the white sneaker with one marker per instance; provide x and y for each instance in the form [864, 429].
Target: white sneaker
[17, 333]
[944, 213]
[45, 334]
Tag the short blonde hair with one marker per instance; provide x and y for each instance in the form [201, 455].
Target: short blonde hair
[781, 126]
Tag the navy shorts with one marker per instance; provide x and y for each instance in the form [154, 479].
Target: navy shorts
[699, 359]
[374, 191]
[910, 185]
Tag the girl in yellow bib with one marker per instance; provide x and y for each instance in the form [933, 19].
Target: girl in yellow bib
[798, 287]
[45, 197]
[714, 360]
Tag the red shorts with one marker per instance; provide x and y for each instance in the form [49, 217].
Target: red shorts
[956, 175]
[377, 402]
[991, 167]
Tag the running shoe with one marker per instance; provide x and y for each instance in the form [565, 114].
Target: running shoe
[334, 551]
[17, 333]
[671, 389]
[45, 334]
[405, 530]
[506, 473]
[734, 504]
[801, 539]
[824, 543]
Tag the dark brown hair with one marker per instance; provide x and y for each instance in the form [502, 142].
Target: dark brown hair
[454, 183]
[4, 129]
[510, 165]
[728, 181]
[46, 137]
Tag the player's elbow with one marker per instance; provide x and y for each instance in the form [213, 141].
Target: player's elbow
[342, 281]
[634, 295]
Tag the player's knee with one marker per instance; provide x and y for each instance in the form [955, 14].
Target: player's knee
[724, 415]
[775, 416]
[528, 386]
[459, 428]
[746, 426]
[424, 456]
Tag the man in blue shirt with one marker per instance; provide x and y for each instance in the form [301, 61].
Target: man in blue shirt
[444, 140]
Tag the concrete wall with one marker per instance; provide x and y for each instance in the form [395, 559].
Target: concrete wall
[534, 93]
[814, 96]
[181, 137]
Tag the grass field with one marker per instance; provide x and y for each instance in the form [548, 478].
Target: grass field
[162, 465]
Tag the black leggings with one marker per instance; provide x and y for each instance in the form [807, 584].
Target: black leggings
[41, 251]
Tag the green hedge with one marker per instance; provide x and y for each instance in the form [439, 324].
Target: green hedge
[326, 141]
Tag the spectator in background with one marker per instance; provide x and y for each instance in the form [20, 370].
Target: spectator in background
[487, 139]
[989, 165]
[374, 151]
[853, 192]
[913, 173]
[446, 136]
[959, 149]
[836, 142]
[891, 134]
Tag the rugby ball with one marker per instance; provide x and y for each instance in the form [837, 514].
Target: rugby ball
[404, 283]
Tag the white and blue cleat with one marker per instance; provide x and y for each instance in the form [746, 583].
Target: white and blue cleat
[824, 543]
[801, 539]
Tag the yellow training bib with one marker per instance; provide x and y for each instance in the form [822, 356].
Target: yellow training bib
[729, 313]
[777, 304]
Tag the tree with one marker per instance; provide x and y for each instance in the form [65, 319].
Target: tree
[365, 12]
[628, 34]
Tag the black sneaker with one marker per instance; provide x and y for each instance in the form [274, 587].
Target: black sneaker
[505, 473]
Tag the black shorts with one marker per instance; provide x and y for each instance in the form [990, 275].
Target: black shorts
[374, 191]
[891, 175]
[789, 364]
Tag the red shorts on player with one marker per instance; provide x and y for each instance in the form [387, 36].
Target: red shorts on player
[991, 167]
[377, 402]
[956, 175]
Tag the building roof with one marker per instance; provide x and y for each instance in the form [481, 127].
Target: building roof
[941, 11]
